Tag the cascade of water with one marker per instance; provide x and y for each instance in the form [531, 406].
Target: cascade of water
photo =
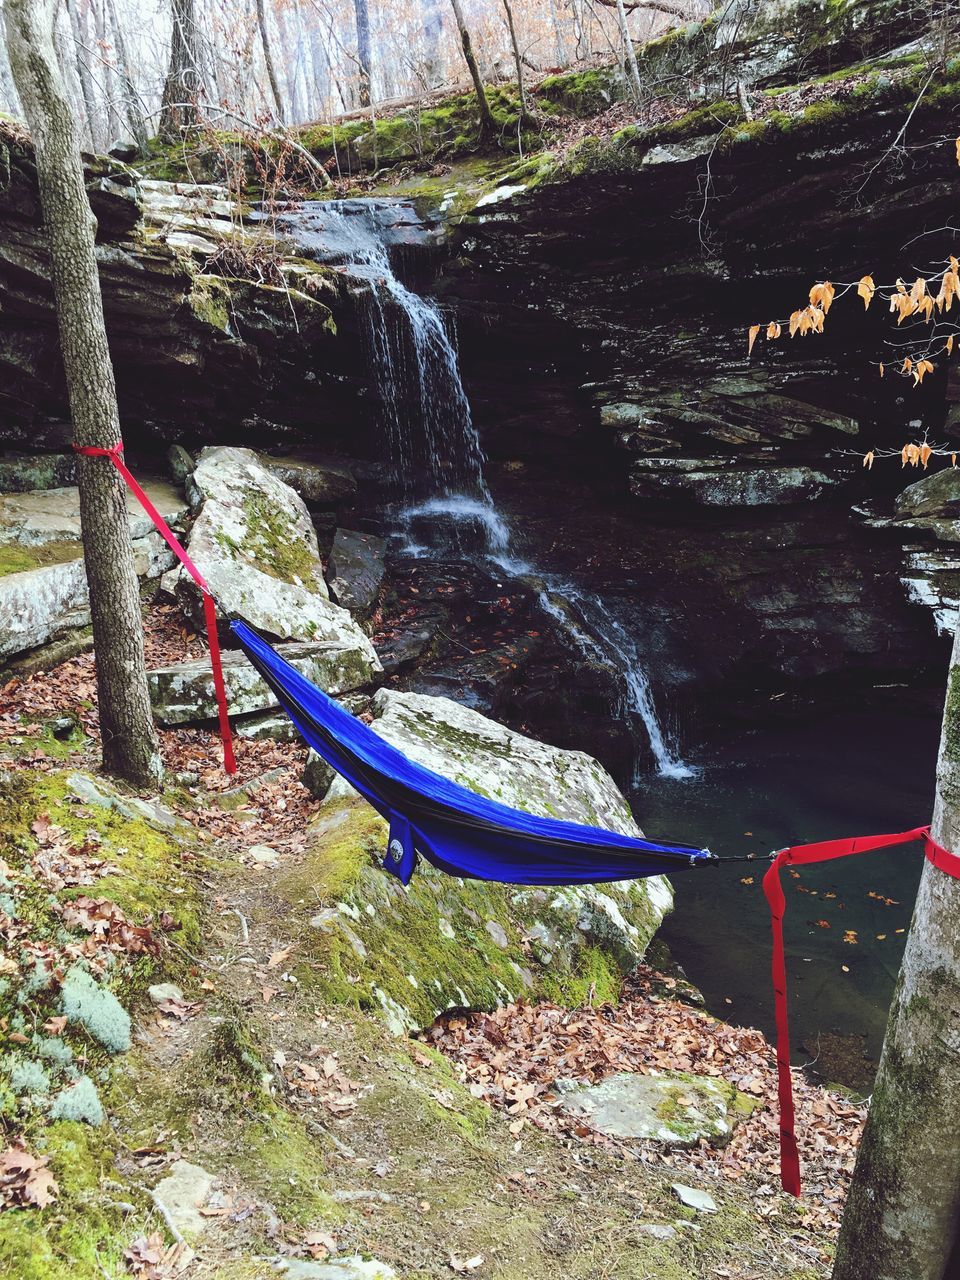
[435, 448]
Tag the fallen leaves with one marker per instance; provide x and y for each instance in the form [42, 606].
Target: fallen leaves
[514, 1056]
[25, 1180]
[149, 1258]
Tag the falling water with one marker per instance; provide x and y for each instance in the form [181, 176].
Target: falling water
[435, 448]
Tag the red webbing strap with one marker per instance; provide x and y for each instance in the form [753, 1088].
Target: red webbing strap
[800, 854]
[115, 454]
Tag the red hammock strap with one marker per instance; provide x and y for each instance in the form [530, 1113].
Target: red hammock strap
[115, 454]
[799, 855]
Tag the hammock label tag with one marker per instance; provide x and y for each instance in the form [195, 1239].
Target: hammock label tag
[400, 858]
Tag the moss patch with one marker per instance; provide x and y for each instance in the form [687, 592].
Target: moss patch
[16, 558]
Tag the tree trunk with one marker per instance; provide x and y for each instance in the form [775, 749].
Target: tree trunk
[111, 80]
[629, 53]
[179, 107]
[10, 99]
[126, 721]
[80, 56]
[268, 59]
[518, 59]
[487, 122]
[432, 36]
[131, 100]
[362, 13]
[902, 1217]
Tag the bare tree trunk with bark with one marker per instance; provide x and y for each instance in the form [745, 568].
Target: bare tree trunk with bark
[432, 37]
[179, 107]
[126, 721]
[362, 13]
[902, 1217]
[131, 100]
[80, 56]
[629, 53]
[268, 59]
[487, 122]
[518, 60]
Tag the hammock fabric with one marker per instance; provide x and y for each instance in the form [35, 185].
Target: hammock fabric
[457, 830]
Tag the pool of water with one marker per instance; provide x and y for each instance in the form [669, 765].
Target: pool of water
[867, 769]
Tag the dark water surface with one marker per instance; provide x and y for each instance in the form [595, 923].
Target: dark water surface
[869, 769]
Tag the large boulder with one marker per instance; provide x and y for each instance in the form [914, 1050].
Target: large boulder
[43, 586]
[255, 544]
[184, 692]
[444, 942]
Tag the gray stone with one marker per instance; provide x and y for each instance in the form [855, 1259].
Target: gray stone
[702, 1201]
[53, 515]
[352, 1267]
[263, 854]
[161, 991]
[498, 933]
[100, 793]
[267, 724]
[737, 485]
[675, 1110]
[22, 472]
[319, 483]
[256, 546]
[658, 1230]
[183, 1192]
[317, 775]
[38, 605]
[181, 463]
[356, 569]
[935, 495]
[184, 692]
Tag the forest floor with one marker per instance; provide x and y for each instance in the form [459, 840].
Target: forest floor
[327, 1136]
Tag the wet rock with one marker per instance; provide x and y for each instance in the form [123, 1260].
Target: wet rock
[318, 483]
[181, 463]
[183, 1192]
[356, 569]
[185, 692]
[677, 1110]
[935, 495]
[255, 544]
[713, 482]
[22, 472]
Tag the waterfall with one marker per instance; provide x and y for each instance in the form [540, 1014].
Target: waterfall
[435, 448]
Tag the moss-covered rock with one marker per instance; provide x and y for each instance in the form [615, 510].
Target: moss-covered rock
[409, 953]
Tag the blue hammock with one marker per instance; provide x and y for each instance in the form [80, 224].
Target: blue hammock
[457, 830]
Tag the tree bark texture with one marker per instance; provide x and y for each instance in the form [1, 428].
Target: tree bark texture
[126, 720]
[487, 122]
[268, 59]
[902, 1218]
[179, 107]
[131, 101]
[362, 13]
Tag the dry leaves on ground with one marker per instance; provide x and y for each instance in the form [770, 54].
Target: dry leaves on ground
[514, 1056]
[25, 1180]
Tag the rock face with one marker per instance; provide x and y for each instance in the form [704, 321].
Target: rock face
[411, 953]
[184, 693]
[356, 569]
[677, 1110]
[717, 482]
[255, 544]
[43, 586]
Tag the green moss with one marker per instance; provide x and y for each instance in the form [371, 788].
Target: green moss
[209, 300]
[582, 93]
[594, 978]
[82, 1235]
[695, 124]
[15, 558]
[276, 545]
